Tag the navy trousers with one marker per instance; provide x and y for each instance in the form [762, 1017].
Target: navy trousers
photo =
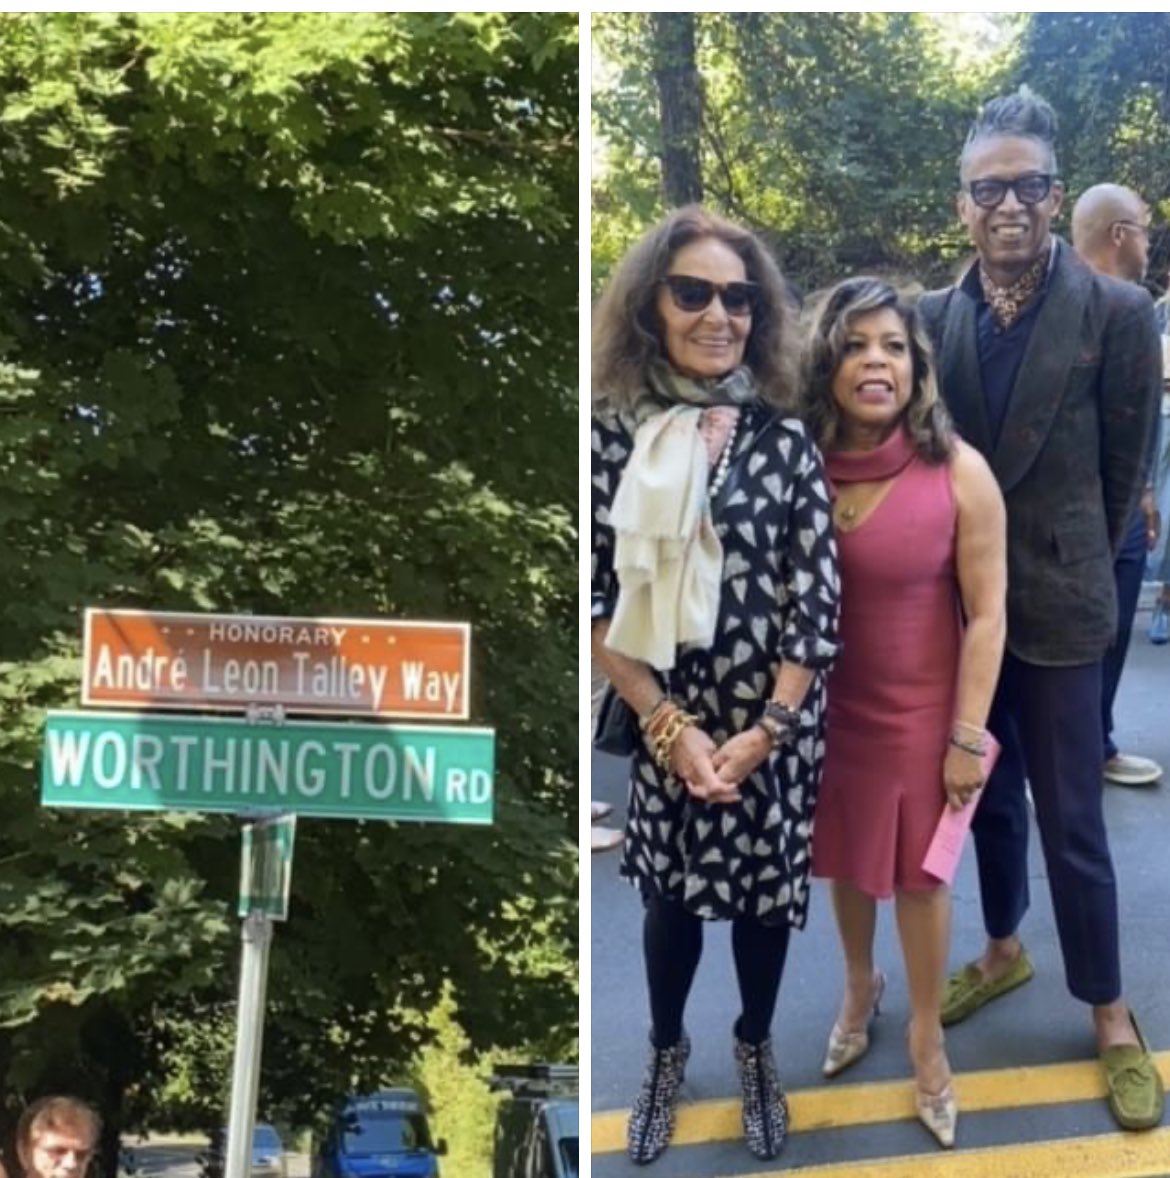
[1048, 720]
[1128, 570]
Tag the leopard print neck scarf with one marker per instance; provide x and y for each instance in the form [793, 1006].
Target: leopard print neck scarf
[1008, 303]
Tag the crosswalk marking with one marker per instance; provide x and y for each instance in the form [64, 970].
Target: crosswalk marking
[1114, 1155]
[838, 1105]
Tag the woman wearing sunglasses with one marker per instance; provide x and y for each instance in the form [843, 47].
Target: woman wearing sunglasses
[921, 527]
[714, 615]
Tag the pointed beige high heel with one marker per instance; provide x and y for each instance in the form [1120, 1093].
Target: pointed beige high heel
[939, 1113]
[847, 1047]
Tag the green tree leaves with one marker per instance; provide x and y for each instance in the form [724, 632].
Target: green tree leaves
[1106, 75]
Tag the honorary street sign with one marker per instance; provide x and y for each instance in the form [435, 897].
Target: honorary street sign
[136, 658]
[140, 761]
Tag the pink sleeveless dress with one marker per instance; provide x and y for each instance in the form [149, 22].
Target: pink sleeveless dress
[892, 691]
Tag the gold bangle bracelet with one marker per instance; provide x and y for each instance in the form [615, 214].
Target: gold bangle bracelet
[670, 734]
[659, 722]
[648, 719]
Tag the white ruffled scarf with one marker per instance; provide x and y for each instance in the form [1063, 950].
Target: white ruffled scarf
[667, 557]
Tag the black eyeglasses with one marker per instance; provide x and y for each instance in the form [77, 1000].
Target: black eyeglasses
[695, 294]
[1030, 189]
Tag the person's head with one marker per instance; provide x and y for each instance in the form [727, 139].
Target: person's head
[868, 369]
[1009, 191]
[56, 1137]
[1111, 231]
[705, 296]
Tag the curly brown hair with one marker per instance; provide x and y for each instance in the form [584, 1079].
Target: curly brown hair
[627, 335]
[828, 321]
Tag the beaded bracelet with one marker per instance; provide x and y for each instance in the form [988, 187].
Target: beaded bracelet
[783, 713]
[777, 733]
[780, 721]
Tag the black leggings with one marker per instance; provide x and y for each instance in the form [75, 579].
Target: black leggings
[672, 939]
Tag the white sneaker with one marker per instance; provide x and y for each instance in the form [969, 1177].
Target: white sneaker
[605, 838]
[1126, 770]
[599, 811]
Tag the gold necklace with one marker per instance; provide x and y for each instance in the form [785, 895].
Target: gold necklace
[846, 513]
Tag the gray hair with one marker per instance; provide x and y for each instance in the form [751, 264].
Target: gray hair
[627, 332]
[1022, 115]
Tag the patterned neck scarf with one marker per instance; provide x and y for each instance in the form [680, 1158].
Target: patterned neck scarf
[738, 387]
[1008, 303]
[667, 555]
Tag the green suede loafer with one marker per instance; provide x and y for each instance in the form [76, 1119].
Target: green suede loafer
[968, 990]
[1136, 1096]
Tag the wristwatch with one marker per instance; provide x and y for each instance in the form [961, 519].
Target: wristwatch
[780, 722]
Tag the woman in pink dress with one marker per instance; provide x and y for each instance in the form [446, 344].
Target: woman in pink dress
[921, 529]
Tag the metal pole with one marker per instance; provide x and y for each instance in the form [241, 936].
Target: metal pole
[256, 936]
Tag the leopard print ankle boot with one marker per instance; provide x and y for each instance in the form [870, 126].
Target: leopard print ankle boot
[765, 1107]
[652, 1119]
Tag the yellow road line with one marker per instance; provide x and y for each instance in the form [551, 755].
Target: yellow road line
[1114, 1155]
[838, 1105]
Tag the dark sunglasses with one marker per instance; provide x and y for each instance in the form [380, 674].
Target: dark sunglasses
[1030, 190]
[695, 294]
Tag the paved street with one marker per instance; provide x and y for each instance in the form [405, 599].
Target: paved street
[1027, 1080]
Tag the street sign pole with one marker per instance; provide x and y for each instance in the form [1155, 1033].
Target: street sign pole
[256, 936]
[256, 941]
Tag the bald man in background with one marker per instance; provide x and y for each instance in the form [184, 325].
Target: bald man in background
[1111, 232]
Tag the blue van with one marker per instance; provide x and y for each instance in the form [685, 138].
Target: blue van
[384, 1135]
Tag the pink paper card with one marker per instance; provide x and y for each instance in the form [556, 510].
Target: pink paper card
[946, 848]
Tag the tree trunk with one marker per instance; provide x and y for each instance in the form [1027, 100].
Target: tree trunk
[679, 104]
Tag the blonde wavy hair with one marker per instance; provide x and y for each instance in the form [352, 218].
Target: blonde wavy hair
[828, 320]
[627, 334]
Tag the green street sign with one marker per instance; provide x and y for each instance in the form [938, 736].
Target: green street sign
[266, 854]
[140, 761]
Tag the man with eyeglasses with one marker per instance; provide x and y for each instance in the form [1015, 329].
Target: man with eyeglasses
[1052, 372]
[57, 1137]
[1111, 231]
